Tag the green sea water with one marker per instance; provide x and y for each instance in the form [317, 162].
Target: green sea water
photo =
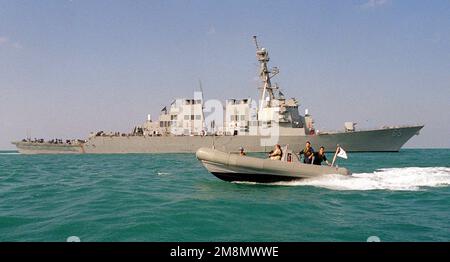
[401, 196]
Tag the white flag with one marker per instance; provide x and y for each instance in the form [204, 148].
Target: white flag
[342, 153]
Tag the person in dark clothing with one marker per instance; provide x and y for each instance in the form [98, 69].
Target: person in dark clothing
[308, 153]
[241, 151]
[320, 157]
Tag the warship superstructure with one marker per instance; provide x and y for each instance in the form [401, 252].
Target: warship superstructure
[189, 124]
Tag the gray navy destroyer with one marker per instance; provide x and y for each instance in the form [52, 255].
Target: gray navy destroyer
[189, 124]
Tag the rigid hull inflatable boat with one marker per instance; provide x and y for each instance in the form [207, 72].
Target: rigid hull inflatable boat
[234, 167]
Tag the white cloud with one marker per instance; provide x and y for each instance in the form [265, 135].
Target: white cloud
[374, 3]
[5, 41]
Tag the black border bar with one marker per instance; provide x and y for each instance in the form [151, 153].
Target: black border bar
[81, 250]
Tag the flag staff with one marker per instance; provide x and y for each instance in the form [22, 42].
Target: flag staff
[335, 155]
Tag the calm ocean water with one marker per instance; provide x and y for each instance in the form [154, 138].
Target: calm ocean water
[395, 196]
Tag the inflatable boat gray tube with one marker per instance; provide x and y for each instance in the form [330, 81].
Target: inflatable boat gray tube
[233, 167]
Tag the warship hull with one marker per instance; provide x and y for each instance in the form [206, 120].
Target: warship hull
[31, 148]
[376, 140]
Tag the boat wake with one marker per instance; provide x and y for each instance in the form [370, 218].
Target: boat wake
[9, 153]
[406, 179]
[395, 179]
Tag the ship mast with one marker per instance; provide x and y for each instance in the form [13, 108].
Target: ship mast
[203, 107]
[266, 91]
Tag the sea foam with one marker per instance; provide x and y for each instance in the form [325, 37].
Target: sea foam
[405, 179]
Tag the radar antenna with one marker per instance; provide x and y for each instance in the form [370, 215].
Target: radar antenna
[256, 42]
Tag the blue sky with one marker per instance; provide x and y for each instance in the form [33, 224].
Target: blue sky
[71, 67]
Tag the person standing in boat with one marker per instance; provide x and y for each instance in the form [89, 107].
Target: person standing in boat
[277, 153]
[241, 151]
[308, 153]
[320, 157]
